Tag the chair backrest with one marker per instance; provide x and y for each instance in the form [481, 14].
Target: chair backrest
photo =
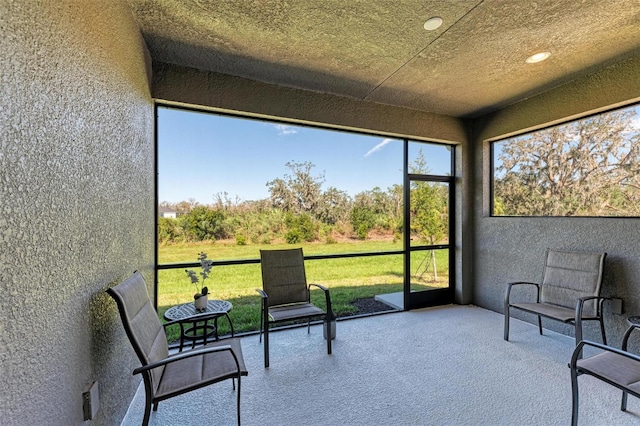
[141, 322]
[570, 275]
[283, 276]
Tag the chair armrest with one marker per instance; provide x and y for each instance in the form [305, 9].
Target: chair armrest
[183, 355]
[262, 293]
[627, 334]
[580, 304]
[327, 296]
[321, 287]
[584, 299]
[507, 294]
[578, 351]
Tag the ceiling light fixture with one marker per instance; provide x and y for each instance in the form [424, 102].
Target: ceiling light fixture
[538, 57]
[433, 23]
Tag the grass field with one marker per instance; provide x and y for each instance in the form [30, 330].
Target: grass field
[348, 279]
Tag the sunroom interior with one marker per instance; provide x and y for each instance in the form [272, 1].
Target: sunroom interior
[81, 81]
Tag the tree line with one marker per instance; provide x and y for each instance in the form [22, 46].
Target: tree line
[299, 209]
[590, 167]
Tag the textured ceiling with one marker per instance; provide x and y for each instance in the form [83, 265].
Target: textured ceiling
[378, 50]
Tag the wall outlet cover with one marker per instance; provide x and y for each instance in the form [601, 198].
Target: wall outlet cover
[90, 401]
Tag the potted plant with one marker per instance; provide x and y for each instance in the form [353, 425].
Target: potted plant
[200, 299]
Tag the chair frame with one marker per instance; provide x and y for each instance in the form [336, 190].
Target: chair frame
[146, 369]
[576, 319]
[578, 369]
[265, 321]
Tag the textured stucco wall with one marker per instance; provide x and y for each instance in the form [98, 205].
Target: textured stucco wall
[194, 87]
[76, 204]
[510, 249]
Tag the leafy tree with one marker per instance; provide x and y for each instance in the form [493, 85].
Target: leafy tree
[222, 201]
[590, 167]
[184, 207]
[334, 206]
[298, 192]
[396, 203]
[429, 209]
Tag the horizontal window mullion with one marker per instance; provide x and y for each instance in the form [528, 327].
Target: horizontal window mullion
[250, 261]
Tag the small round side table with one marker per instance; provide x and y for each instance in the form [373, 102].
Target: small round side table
[200, 328]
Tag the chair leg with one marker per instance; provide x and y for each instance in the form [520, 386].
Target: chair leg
[540, 324]
[266, 345]
[148, 398]
[327, 326]
[155, 406]
[261, 325]
[506, 322]
[238, 400]
[574, 397]
[147, 413]
[264, 320]
[623, 406]
[604, 335]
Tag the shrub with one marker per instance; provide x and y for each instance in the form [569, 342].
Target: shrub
[301, 227]
[168, 230]
[362, 231]
[202, 223]
[363, 220]
[293, 236]
[241, 240]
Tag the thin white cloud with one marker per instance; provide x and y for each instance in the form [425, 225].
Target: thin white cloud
[284, 130]
[378, 147]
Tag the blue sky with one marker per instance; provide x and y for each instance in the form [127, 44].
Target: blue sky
[201, 154]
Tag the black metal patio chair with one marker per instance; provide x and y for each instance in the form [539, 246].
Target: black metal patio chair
[286, 296]
[568, 292]
[165, 375]
[617, 367]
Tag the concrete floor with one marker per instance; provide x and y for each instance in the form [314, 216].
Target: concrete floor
[438, 366]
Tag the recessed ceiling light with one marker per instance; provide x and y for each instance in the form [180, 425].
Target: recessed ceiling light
[538, 57]
[433, 23]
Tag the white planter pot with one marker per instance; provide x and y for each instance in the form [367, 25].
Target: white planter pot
[201, 303]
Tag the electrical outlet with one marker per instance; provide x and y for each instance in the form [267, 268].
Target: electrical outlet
[616, 306]
[90, 401]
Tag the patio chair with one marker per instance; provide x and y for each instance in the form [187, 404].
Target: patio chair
[617, 367]
[569, 291]
[165, 375]
[285, 294]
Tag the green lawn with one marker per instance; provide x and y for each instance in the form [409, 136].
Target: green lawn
[348, 279]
